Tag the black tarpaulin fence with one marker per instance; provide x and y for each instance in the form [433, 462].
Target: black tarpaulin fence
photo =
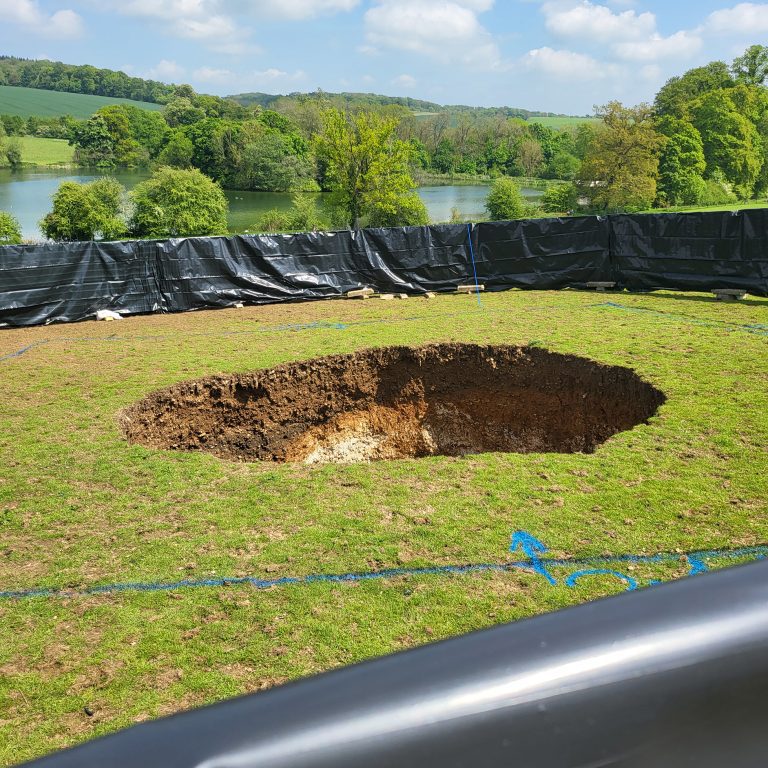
[65, 282]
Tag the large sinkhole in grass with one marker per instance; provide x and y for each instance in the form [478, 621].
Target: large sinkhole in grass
[399, 402]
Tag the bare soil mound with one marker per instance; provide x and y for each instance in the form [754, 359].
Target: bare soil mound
[399, 402]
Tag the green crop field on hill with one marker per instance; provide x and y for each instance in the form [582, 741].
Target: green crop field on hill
[562, 122]
[27, 102]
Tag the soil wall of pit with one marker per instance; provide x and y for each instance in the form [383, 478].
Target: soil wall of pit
[395, 402]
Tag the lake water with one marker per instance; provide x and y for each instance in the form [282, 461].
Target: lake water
[27, 195]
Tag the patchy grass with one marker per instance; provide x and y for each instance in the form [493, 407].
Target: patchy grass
[27, 102]
[80, 507]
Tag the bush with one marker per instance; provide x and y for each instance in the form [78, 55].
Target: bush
[87, 211]
[407, 210]
[559, 198]
[10, 233]
[178, 203]
[13, 153]
[717, 191]
[505, 201]
[304, 216]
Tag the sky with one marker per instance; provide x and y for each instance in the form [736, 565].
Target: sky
[562, 56]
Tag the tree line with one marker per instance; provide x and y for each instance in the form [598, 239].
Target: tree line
[69, 78]
[703, 141]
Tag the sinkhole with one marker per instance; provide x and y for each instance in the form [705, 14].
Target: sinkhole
[398, 402]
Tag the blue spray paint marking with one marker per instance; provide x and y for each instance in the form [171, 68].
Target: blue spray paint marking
[20, 352]
[221, 334]
[531, 546]
[533, 549]
[753, 328]
[474, 266]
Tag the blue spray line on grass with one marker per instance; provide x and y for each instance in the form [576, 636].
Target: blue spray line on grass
[474, 266]
[23, 350]
[292, 327]
[530, 547]
[758, 329]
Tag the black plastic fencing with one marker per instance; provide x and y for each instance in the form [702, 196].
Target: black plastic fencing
[60, 282]
[670, 677]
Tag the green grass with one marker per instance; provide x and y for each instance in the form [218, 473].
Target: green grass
[741, 206]
[562, 122]
[27, 102]
[38, 151]
[79, 506]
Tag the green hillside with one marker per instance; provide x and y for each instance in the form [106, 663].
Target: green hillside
[26, 102]
[562, 122]
[420, 108]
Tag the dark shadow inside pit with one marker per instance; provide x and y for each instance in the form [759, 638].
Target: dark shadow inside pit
[399, 402]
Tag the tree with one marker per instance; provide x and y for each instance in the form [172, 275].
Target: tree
[366, 167]
[10, 233]
[178, 203]
[678, 92]
[732, 144]
[86, 211]
[268, 163]
[530, 158]
[681, 163]
[620, 169]
[181, 111]
[505, 201]
[94, 144]
[178, 152]
[752, 67]
[13, 153]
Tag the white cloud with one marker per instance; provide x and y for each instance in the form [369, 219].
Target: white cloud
[289, 9]
[447, 31]
[211, 27]
[596, 23]
[681, 45]
[744, 19]
[274, 77]
[165, 71]
[405, 81]
[564, 65]
[28, 14]
[212, 75]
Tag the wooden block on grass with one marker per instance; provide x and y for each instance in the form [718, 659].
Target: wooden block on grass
[729, 294]
[360, 293]
[600, 285]
[469, 288]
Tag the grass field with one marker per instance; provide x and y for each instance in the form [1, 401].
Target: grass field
[39, 151]
[562, 122]
[26, 102]
[80, 507]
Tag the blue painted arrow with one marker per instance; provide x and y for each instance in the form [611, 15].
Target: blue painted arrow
[532, 548]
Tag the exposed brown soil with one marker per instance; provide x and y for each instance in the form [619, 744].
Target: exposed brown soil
[399, 402]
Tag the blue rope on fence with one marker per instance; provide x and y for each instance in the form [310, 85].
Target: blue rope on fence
[474, 266]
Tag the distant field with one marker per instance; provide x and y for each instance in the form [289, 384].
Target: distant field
[562, 122]
[37, 151]
[32, 101]
[550, 122]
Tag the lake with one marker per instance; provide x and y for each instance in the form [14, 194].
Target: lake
[27, 195]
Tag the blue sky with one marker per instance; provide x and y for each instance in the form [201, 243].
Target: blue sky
[552, 55]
